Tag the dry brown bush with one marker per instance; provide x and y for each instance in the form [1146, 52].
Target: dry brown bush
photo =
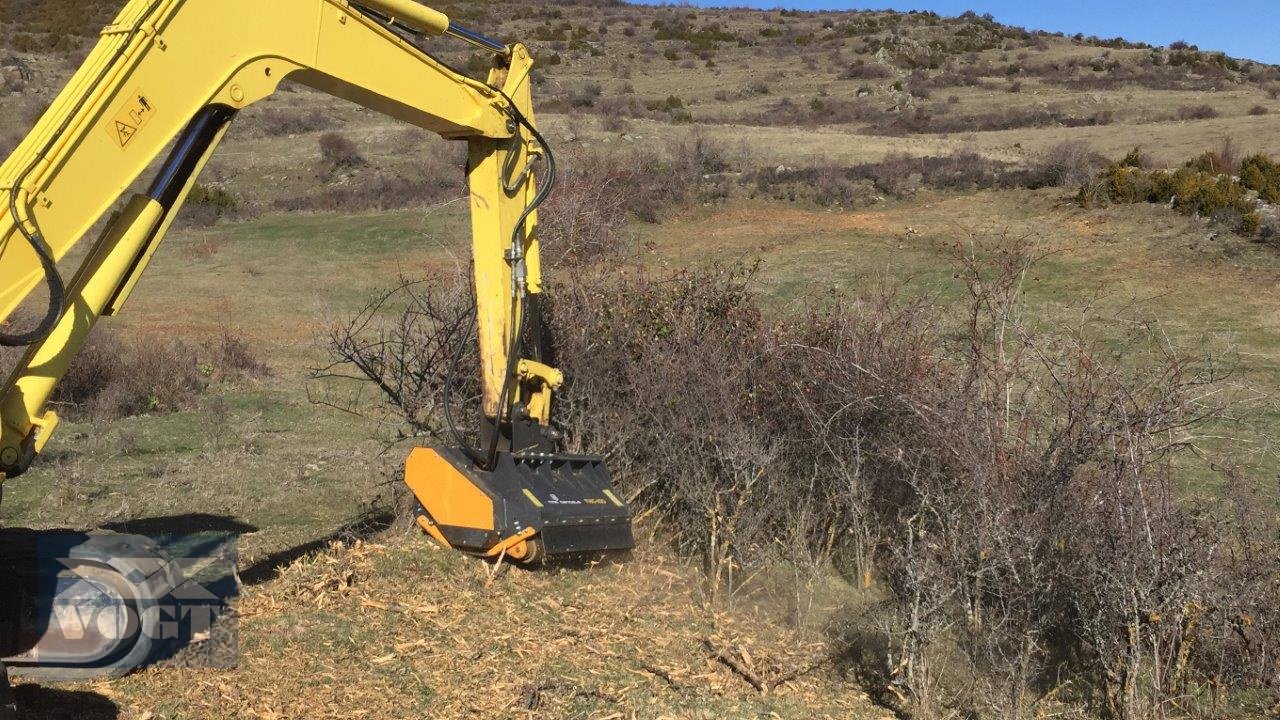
[862, 70]
[117, 375]
[380, 192]
[895, 176]
[1197, 112]
[113, 378]
[338, 151]
[1069, 164]
[288, 121]
[931, 119]
[1010, 488]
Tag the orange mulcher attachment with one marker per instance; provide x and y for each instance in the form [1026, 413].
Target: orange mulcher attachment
[532, 505]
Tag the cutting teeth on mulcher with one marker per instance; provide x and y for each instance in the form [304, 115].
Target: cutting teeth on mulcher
[531, 506]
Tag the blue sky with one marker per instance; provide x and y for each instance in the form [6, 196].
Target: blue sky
[1242, 28]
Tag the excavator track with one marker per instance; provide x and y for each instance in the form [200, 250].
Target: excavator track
[81, 606]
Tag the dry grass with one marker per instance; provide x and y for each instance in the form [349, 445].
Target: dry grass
[394, 627]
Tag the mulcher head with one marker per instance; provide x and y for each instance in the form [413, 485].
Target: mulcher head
[531, 505]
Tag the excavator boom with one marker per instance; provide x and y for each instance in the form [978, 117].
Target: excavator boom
[174, 74]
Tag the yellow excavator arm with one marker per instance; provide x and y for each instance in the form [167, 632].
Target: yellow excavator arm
[173, 74]
[176, 72]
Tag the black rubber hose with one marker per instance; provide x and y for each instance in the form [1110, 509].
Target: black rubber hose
[513, 357]
[57, 291]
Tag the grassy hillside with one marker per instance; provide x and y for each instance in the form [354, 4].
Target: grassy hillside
[820, 130]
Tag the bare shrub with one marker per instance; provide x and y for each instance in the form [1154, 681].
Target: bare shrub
[113, 378]
[1196, 112]
[1259, 110]
[205, 247]
[407, 341]
[1010, 488]
[277, 122]
[339, 152]
[862, 70]
[582, 220]
[230, 356]
[614, 122]
[204, 206]
[379, 192]
[641, 183]
[1070, 163]
[438, 176]
[898, 175]
[8, 144]
[116, 375]
[989, 540]
[817, 111]
[929, 120]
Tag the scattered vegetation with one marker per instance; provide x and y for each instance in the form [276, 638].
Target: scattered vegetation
[206, 205]
[1205, 186]
[1008, 489]
[895, 176]
[117, 376]
[1197, 112]
[1005, 492]
[339, 152]
[278, 122]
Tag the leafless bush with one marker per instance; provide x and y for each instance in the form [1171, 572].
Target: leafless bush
[1010, 488]
[380, 192]
[116, 375]
[111, 378]
[339, 151]
[1070, 163]
[406, 341]
[930, 120]
[8, 144]
[862, 70]
[1197, 112]
[438, 176]
[582, 220]
[230, 356]
[896, 176]
[277, 122]
[614, 122]
[205, 206]
[817, 111]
